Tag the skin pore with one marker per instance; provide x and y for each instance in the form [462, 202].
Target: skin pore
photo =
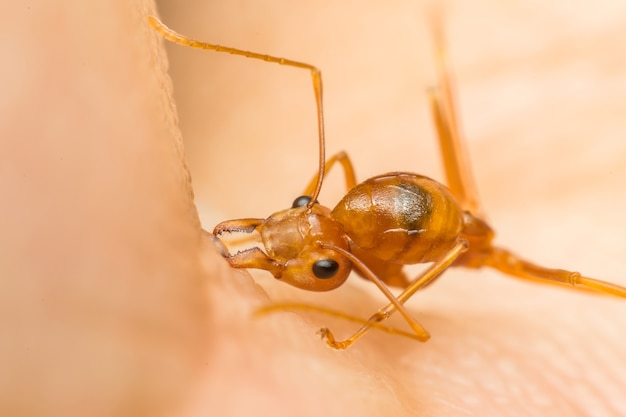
[115, 305]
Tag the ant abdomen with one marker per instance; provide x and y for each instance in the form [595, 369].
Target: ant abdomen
[401, 218]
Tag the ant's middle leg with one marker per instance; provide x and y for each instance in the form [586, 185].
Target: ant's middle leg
[459, 175]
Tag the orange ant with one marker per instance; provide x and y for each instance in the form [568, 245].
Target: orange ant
[383, 223]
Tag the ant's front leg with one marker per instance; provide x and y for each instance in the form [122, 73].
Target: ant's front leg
[348, 171]
[425, 278]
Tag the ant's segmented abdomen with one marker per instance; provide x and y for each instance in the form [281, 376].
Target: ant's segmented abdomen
[401, 217]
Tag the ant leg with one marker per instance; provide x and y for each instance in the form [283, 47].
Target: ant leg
[504, 261]
[421, 281]
[268, 309]
[456, 163]
[348, 171]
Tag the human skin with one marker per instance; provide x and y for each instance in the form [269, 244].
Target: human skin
[102, 306]
[541, 103]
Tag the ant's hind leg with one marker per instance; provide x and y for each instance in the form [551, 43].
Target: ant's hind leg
[348, 171]
[504, 261]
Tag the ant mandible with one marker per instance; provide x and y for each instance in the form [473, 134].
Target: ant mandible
[383, 223]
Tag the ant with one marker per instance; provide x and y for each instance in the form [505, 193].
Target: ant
[383, 223]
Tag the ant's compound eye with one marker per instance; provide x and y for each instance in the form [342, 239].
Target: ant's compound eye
[325, 268]
[302, 201]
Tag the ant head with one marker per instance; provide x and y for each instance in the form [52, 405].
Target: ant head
[299, 242]
[302, 246]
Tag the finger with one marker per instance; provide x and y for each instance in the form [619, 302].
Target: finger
[102, 309]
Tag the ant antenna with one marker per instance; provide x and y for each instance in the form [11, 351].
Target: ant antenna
[316, 75]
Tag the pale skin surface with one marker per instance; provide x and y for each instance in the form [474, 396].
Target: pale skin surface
[531, 90]
[102, 307]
